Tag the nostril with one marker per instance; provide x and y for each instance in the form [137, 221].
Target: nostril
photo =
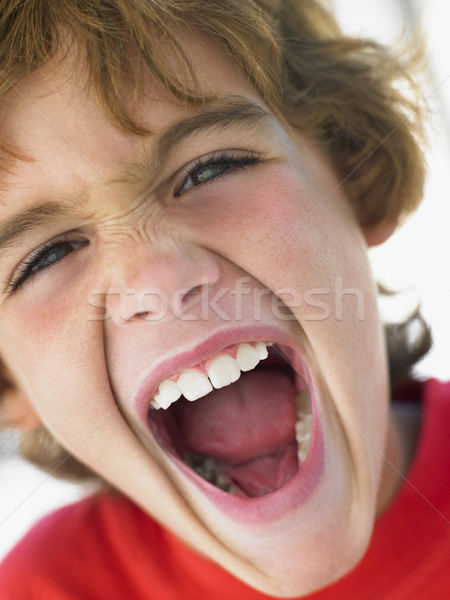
[194, 291]
[142, 315]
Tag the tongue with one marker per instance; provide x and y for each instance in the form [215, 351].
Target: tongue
[248, 428]
[265, 474]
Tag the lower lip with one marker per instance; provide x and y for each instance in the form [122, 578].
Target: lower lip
[276, 505]
[271, 507]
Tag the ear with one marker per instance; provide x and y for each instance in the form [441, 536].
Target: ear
[377, 234]
[15, 409]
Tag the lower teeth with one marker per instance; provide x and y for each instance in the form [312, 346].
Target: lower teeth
[206, 467]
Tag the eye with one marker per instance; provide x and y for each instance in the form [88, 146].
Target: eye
[44, 257]
[209, 168]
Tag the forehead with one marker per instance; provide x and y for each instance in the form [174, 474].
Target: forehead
[55, 111]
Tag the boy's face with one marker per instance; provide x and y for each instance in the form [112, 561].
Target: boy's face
[215, 230]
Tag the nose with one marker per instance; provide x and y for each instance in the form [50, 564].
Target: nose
[164, 283]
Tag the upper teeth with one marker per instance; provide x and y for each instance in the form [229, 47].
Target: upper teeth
[223, 369]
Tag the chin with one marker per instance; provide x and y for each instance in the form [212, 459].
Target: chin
[245, 435]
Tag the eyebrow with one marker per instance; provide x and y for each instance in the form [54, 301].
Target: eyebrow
[16, 227]
[230, 111]
[227, 112]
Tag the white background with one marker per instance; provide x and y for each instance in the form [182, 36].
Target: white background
[417, 254]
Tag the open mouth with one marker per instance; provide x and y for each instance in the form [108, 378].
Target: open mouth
[242, 419]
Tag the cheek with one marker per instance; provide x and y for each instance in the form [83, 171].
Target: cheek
[248, 220]
[48, 319]
[276, 226]
[56, 354]
[59, 360]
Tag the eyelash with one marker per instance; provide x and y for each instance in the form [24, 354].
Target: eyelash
[27, 270]
[231, 162]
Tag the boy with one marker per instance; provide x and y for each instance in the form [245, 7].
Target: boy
[187, 308]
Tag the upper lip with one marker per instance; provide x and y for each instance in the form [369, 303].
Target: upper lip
[205, 349]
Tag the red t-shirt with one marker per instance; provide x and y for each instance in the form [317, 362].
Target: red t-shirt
[105, 548]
